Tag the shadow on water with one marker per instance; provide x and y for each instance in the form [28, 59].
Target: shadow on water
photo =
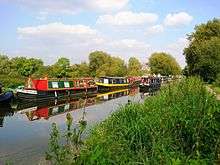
[25, 125]
[5, 110]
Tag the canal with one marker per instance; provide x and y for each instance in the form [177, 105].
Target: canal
[25, 126]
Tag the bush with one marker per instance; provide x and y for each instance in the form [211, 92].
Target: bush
[217, 81]
[178, 126]
[12, 81]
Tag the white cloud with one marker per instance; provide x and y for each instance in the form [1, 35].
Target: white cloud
[56, 29]
[154, 30]
[176, 49]
[72, 6]
[129, 44]
[75, 42]
[178, 19]
[127, 48]
[52, 40]
[108, 5]
[128, 18]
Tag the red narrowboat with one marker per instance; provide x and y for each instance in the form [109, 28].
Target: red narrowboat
[36, 89]
[150, 83]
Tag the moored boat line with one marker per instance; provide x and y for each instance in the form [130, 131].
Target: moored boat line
[46, 89]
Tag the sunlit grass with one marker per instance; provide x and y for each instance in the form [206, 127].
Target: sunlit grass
[180, 125]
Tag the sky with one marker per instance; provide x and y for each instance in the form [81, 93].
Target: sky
[50, 29]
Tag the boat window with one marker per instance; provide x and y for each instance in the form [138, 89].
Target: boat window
[105, 81]
[66, 84]
[71, 84]
[61, 84]
[50, 85]
[54, 84]
[117, 81]
[110, 81]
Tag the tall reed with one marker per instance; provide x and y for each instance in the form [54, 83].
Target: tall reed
[180, 125]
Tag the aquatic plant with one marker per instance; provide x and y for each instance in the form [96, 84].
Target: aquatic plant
[180, 125]
[60, 152]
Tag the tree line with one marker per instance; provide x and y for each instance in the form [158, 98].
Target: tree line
[14, 70]
[203, 53]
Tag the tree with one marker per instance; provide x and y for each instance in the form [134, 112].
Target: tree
[134, 67]
[203, 53]
[80, 70]
[5, 65]
[96, 60]
[164, 64]
[26, 67]
[102, 64]
[114, 66]
[61, 68]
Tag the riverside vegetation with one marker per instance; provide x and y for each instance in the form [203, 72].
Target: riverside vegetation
[179, 125]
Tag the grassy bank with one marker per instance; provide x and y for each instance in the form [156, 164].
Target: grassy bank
[180, 125]
[216, 89]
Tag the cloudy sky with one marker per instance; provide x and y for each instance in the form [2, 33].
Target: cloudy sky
[49, 29]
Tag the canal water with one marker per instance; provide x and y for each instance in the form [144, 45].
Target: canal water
[25, 126]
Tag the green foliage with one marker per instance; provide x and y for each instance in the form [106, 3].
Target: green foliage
[13, 71]
[102, 64]
[164, 64]
[217, 81]
[203, 53]
[80, 70]
[26, 67]
[4, 65]
[12, 81]
[185, 71]
[180, 125]
[61, 68]
[96, 60]
[59, 153]
[134, 67]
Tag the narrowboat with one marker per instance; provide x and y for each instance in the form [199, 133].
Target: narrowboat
[5, 98]
[111, 83]
[134, 81]
[41, 89]
[149, 83]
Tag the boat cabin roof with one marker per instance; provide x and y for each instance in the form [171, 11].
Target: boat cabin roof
[112, 77]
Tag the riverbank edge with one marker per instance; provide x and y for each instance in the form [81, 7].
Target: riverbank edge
[139, 133]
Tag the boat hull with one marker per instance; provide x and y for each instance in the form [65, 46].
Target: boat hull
[54, 94]
[102, 87]
[6, 98]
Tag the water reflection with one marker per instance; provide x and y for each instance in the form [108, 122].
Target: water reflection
[6, 110]
[35, 110]
[31, 121]
[45, 110]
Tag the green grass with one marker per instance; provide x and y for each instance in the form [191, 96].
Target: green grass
[216, 89]
[180, 125]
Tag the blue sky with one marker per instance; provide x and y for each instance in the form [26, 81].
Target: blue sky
[49, 29]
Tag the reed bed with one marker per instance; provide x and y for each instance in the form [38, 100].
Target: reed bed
[180, 125]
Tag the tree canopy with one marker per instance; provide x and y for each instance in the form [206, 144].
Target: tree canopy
[164, 64]
[61, 68]
[203, 53]
[102, 64]
[134, 67]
